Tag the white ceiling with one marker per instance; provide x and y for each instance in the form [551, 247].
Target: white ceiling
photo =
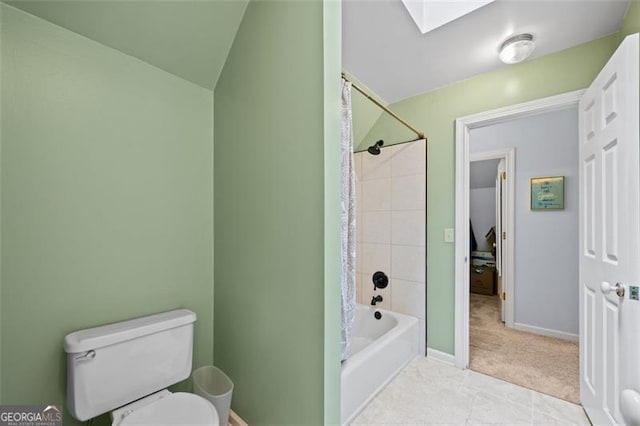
[383, 48]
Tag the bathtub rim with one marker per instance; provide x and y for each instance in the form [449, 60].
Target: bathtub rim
[405, 324]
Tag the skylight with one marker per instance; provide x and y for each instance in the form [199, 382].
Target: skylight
[431, 14]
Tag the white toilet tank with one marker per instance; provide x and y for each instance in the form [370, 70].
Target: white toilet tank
[112, 365]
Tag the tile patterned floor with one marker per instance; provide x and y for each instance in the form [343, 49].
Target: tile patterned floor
[429, 392]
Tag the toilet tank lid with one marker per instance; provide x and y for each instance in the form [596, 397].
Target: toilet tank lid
[105, 335]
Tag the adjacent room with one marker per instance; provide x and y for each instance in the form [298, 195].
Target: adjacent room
[528, 334]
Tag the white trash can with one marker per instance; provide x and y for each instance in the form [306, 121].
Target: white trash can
[211, 383]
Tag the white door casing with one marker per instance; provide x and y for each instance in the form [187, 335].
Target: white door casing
[610, 241]
[463, 138]
[501, 209]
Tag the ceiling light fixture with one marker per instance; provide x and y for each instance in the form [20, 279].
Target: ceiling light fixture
[517, 48]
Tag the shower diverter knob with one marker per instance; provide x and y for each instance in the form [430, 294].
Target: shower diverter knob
[380, 280]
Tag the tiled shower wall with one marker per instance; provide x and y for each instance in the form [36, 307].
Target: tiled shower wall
[391, 221]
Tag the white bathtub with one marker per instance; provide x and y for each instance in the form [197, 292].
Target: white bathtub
[379, 349]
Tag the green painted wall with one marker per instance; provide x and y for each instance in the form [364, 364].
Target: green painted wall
[270, 213]
[365, 112]
[631, 23]
[107, 199]
[435, 114]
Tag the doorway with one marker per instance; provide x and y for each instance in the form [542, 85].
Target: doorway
[491, 213]
[537, 261]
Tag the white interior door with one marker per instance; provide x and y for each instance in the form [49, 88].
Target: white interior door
[500, 212]
[610, 240]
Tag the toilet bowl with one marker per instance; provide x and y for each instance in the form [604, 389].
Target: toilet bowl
[124, 368]
[166, 408]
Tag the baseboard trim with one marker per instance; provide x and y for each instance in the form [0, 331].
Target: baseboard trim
[547, 332]
[441, 356]
[236, 420]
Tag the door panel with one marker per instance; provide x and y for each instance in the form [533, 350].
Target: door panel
[610, 202]
[610, 345]
[589, 196]
[588, 356]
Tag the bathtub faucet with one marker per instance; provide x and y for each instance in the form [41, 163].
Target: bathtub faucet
[376, 299]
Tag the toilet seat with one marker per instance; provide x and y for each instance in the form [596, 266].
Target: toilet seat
[166, 408]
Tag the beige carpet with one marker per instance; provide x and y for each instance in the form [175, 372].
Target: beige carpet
[544, 364]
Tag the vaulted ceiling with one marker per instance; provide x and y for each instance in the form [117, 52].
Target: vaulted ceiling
[382, 46]
[188, 38]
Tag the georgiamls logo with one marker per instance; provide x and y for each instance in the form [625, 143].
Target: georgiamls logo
[51, 407]
[30, 415]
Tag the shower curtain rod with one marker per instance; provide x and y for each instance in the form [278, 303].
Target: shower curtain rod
[385, 109]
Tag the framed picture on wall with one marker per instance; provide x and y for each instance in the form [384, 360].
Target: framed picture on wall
[547, 193]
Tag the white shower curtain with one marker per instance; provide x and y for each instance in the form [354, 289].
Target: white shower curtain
[348, 221]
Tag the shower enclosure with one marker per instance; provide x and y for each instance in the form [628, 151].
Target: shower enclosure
[391, 229]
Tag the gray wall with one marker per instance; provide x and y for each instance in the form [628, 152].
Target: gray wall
[546, 242]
